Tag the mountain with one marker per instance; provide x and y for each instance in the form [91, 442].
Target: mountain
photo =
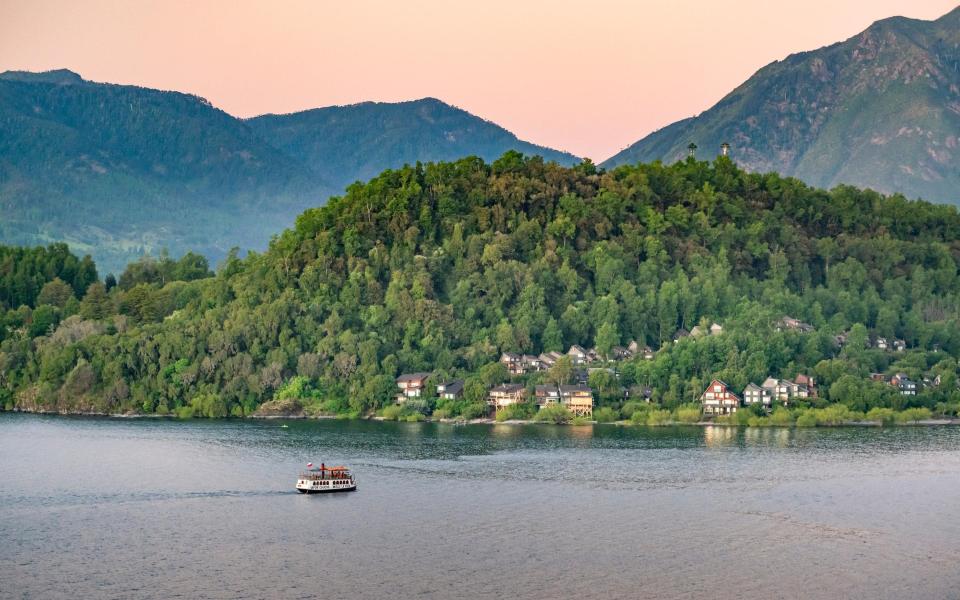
[118, 171]
[880, 110]
[442, 267]
[344, 144]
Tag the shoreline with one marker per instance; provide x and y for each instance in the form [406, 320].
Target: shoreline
[944, 422]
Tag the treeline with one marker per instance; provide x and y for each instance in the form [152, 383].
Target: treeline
[441, 267]
[25, 271]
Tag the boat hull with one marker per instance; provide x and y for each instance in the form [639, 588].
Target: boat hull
[327, 490]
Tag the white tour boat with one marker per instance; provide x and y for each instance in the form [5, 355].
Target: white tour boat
[317, 480]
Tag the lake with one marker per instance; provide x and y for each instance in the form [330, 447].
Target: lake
[146, 508]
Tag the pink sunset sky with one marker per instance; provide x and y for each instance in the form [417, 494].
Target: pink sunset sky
[586, 77]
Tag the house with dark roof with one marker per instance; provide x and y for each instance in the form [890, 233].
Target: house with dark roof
[451, 390]
[411, 385]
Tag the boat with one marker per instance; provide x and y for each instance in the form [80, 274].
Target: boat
[324, 479]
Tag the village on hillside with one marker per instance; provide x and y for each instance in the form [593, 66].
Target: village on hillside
[571, 390]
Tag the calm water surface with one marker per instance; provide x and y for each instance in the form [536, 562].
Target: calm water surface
[97, 508]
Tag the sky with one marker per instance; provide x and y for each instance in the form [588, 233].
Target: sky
[586, 77]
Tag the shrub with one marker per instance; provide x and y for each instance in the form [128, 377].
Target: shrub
[835, 414]
[393, 412]
[885, 416]
[688, 413]
[912, 415]
[807, 419]
[658, 417]
[553, 413]
[441, 413]
[414, 417]
[580, 421]
[781, 417]
[606, 415]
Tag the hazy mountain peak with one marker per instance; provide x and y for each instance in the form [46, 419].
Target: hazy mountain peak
[57, 76]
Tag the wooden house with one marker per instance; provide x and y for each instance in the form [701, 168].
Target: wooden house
[717, 399]
[506, 394]
[546, 394]
[680, 334]
[790, 324]
[411, 385]
[779, 390]
[578, 399]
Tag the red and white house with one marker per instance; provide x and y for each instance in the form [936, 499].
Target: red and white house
[717, 399]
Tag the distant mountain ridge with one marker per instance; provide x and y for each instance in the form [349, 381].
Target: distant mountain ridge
[119, 170]
[343, 144]
[879, 110]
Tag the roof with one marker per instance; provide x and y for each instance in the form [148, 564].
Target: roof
[509, 356]
[569, 389]
[752, 387]
[576, 348]
[508, 387]
[452, 387]
[770, 382]
[681, 333]
[413, 377]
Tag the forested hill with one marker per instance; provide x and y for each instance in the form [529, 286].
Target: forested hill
[118, 170]
[880, 110]
[440, 267]
[344, 144]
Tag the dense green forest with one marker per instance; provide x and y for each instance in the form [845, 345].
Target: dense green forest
[440, 267]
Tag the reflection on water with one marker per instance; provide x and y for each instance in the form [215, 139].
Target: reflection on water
[154, 509]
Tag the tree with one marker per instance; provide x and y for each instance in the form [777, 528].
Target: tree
[55, 293]
[561, 371]
[607, 338]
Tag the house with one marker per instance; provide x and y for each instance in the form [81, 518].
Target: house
[680, 334]
[546, 394]
[633, 347]
[906, 386]
[808, 382]
[506, 394]
[411, 385]
[779, 390]
[451, 390]
[593, 355]
[648, 353]
[513, 362]
[841, 339]
[577, 354]
[620, 353]
[796, 390]
[716, 329]
[548, 359]
[578, 399]
[878, 377]
[754, 394]
[790, 324]
[717, 399]
[531, 363]
[880, 343]
[581, 376]
[899, 345]
[697, 332]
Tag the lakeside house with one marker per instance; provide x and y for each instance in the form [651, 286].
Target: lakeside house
[754, 394]
[546, 394]
[880, 343]
[506, 394]
[578, 399]
[717, 399]
[899, 346]
[779, 390]
[548, 359]
[411, 385]
[648, 353]
[451, 390]
[513, 362]
[809, 383]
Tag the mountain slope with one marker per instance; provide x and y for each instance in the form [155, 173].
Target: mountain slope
[118, 170]
[344, 144]
[880, 110]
